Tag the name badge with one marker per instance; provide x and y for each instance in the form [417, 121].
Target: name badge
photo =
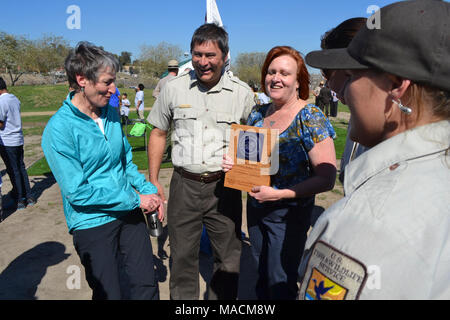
[332, 275]
[185, 106]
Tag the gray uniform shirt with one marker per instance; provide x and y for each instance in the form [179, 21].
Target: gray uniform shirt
[11, 135]
[201, 118]
[389, 237]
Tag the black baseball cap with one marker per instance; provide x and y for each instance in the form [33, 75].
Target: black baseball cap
[412, 41]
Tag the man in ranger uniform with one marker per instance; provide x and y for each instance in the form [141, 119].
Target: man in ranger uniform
[202, 105]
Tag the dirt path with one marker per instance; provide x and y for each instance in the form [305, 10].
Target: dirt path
[37, 257]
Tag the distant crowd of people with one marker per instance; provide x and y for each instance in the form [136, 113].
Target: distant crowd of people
[391, 223]
[326, 99]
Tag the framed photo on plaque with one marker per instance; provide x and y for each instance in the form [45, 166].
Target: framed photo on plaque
[251, 149]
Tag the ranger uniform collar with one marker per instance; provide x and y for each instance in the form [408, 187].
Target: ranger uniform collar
[224, 82]
[412, 144]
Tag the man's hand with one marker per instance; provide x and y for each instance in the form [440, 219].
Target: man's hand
[155, 149]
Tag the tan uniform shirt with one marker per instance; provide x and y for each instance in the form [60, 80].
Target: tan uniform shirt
[161, 84]
[201, 118]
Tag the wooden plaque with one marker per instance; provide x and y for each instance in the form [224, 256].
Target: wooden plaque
[250, 148]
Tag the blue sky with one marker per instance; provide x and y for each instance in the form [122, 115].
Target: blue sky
[253, 25]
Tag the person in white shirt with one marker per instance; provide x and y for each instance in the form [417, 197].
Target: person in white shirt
[139, 101]
[334, 104]
[263, 98]
[125, 109]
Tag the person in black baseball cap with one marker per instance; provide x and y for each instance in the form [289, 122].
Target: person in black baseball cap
[413, 45]
[388, 237]
[340, 37]
[412, 41]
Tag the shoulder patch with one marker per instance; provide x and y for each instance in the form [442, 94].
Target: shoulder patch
[332, 275]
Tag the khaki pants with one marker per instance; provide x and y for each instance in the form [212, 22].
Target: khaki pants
[191, 205]
[140, 113]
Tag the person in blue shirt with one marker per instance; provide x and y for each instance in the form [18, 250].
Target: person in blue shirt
[103, 193]
[115, 100]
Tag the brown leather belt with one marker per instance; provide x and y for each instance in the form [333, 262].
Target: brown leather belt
[206, 177]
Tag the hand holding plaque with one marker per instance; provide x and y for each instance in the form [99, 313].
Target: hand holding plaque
[252, 151]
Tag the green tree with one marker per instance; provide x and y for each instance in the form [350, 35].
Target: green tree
[125, 58]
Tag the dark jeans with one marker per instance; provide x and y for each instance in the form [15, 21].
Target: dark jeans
[193, 205]
[277, 233]
[334, 108]
[99, 248]
[325, 107]
[15, 167]
[124, 120]
[1, 206]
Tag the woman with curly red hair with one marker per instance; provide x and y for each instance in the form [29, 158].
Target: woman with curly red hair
[278, 216]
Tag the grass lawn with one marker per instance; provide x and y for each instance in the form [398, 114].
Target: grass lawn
[29, 120]
[339, 142]
[343, 108]
[40, 98]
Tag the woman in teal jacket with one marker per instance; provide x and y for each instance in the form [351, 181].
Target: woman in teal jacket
[102, 191]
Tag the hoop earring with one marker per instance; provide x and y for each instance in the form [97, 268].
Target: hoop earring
[402, 108]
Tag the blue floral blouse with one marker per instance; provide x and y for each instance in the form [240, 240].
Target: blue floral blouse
[309, 127]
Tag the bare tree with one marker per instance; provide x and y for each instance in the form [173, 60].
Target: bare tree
[248, 67]
[153, 59]
[19, 55]
[48, 52]
[13, 58]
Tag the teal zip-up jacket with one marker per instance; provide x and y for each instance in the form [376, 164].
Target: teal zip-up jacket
[95, 172]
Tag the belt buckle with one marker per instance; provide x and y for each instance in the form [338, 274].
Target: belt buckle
[204, 176]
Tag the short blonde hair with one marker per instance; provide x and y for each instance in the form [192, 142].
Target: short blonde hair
[422, 96]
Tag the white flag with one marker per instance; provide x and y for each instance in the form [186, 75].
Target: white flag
[213, 16]
[212, 13]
